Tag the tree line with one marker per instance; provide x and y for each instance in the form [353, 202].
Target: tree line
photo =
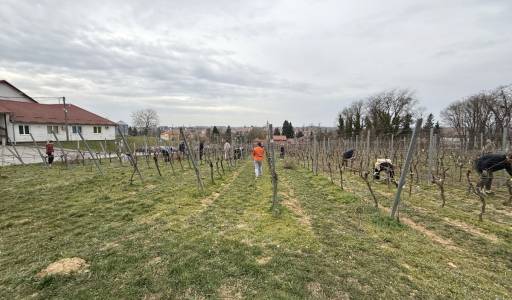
[475, 118]
[482, 116]
[389, 112]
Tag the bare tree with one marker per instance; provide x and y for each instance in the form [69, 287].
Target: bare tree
[145, 119]
[453, 116]
[482, 115]
[256, 133]
[387, 109]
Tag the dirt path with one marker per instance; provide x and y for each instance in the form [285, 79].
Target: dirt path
[225, 186]
[471, 230]
[293, 205]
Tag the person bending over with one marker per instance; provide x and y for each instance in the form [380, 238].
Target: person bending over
[487, 164]
[384, 165]
[347, 155]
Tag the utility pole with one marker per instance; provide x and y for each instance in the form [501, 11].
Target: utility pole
[66, 118]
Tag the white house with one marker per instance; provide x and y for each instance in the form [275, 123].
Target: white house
[21, 115]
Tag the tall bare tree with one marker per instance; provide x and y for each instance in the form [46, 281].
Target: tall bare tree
[480, 116]
[145, 119]
[387, 109]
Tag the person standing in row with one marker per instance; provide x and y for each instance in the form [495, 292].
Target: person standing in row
[227, 150]
[181, 149]
[201, 151]
[258, 153]
[49, 153]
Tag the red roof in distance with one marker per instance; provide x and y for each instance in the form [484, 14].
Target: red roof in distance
[25, 112]
[279, 138]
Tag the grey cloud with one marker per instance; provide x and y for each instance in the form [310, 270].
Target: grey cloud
[245, 62]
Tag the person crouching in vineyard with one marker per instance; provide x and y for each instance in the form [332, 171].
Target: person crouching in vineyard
[347, 155]
[488, 164]
[258, 153]
[384, 165]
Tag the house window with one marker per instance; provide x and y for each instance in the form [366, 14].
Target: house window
[52, 129]
[24, 129]
[97, 129]
[76, 129]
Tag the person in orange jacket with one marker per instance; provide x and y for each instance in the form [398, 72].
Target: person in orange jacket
[49, 153]
[258, 153]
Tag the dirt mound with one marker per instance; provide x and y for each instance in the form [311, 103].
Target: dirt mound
[65, 266]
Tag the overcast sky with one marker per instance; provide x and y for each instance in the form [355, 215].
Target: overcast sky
[246, 62]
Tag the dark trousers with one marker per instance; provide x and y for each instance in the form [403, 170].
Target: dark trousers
[50, 158]
[485, 179]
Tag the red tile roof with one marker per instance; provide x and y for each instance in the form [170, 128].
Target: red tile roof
[279, 138]
[24, 112]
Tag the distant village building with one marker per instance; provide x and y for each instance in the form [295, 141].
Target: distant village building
[170, 135]
[280, 139]
[21, 116]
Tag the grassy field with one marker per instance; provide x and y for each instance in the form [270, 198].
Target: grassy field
[162, 239]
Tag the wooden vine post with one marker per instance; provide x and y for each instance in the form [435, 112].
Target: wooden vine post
[406, 167]
[64, 155]
[364, 176]
[430, 155]
[130, 156]
[90, 152]
[155, 159]
[39, 150]
[14, 151]
[509, 201]
[272, 169]
[315, 155]
[200, 185]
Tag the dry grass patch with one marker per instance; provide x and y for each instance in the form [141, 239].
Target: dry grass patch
[65, 266]
[157, 296]
[109, 246]
[293, 205]
[315, 289]
[430, 234]
[231, 290]
[263, 260]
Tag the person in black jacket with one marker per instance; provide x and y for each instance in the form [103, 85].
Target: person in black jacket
[181, 148]
[347, 155]
[201, 151]
[490, 163]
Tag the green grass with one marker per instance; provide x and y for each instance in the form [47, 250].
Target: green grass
[162, 239]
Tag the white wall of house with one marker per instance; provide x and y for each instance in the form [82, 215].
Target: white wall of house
[40, 133]
[7, 92]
